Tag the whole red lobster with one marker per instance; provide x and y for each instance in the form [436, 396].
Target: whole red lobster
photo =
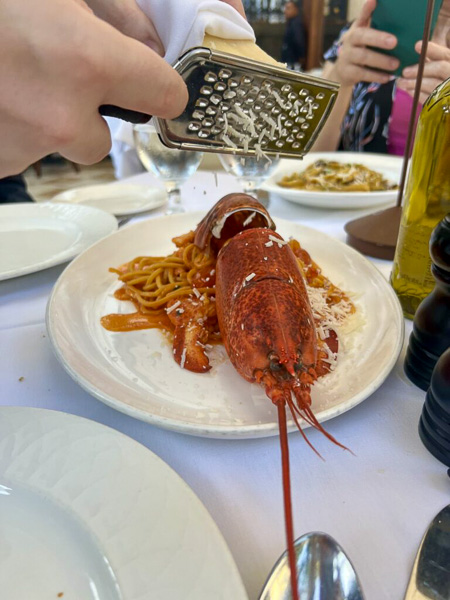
[265, 319]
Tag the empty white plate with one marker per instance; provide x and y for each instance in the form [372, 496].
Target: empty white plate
[119, 199]
[36, 236]
[87, 513]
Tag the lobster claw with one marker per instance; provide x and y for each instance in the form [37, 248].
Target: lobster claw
[232, 214]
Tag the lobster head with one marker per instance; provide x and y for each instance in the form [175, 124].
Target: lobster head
[264, 313]
[271, 331]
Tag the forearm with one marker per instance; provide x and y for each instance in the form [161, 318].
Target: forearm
[328, 139]
[70, 63]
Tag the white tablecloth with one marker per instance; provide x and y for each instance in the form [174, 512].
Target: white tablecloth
[377, 504]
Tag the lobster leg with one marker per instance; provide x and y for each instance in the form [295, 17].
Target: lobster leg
[278, 394]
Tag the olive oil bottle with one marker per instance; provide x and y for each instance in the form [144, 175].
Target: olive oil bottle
[426, 202]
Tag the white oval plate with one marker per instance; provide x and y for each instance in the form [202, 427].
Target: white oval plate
[119, 199]
[389, 166]
[135, 373]
[36, 236]
[89, 513]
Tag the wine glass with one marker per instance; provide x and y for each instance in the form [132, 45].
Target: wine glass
[171, 165]
[251, 171]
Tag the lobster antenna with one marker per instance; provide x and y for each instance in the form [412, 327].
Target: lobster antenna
[281, 406]
[319, 427]
[307, 414]
[293, 410]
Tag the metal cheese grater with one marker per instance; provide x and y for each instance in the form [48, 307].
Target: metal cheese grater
[245, 107]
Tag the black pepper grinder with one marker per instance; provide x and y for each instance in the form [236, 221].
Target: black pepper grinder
[430, 336]
[434, 425]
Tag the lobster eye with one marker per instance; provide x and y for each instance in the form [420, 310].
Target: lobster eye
[274, 365]
[274, 362]
[298, 366]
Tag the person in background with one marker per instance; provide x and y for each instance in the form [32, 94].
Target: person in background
[14, 189]
[373, 108]
[293, 50]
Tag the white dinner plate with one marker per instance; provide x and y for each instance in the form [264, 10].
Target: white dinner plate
[119, 199]
[87, 513]
[134, 372]
[389, 166]
[36, 236]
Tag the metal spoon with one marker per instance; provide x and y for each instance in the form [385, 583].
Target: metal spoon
[324, 572]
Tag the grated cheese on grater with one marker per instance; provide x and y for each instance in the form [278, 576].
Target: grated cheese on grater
[228, 141]
[241, 136]
[261, 154]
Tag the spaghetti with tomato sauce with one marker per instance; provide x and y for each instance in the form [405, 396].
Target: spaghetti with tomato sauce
[176, 294]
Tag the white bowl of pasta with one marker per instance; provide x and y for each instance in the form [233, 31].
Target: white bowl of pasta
[338, 180]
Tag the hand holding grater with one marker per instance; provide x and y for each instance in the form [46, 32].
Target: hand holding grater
[244, 107]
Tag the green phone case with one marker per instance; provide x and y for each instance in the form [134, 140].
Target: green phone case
[405, 19]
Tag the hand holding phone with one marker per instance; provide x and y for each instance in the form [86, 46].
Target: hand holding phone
[405, 19]
[360, 54]
[437, 70]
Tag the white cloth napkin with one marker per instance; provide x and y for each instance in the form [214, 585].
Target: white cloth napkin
[181, 25]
